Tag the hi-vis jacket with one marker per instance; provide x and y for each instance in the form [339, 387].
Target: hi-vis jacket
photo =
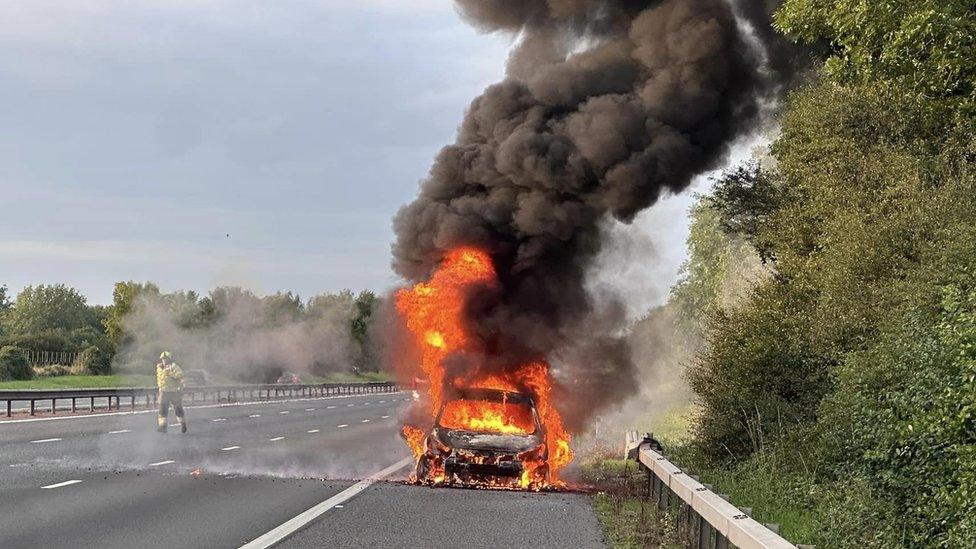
[169, 379]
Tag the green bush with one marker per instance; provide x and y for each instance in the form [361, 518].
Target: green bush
[92, 361]
[904, 419]
[52, 370]
[759, 378]
[13, 364]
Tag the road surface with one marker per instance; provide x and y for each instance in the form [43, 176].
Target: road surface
[112, 481]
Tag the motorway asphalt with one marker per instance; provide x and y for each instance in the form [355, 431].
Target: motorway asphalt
[112, 481]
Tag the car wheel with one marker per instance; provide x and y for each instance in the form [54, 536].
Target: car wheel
[423, 468]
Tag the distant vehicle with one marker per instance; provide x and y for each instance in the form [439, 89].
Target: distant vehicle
[197, 378]
[497, 453]
[288, 378]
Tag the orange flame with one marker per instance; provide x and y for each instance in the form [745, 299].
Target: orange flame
[433, 312]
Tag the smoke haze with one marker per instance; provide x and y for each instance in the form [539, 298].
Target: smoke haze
[244, 338]
[607, 105]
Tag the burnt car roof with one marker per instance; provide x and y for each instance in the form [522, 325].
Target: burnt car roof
[490, 395]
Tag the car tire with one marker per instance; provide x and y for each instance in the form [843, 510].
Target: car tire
[423, 468]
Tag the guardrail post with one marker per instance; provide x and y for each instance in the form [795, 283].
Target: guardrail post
[54, 406]
[32, 408]
[704, 534]
[8, 408]
[73, 399]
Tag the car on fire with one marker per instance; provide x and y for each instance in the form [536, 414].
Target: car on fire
[486, 437]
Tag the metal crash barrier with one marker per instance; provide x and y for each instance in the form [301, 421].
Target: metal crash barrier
[709, 518]
[146, 397]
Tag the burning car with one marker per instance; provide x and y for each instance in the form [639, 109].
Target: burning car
[486, 437]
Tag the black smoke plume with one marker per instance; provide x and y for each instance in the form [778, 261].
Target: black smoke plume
[607, 104]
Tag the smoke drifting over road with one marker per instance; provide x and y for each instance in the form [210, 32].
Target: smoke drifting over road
[607, 104]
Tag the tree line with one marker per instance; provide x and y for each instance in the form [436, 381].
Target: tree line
[58, 318]
[850, 355]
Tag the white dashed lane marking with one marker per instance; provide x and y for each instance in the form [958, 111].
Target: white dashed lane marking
[60, 484]
[159, 463]
[43, 440]
[343, 425]
[309, 409]
[284, 412]
[310, 431]
[350, 404]
[276, 439]
[229, 448]
[329, 407]
[365, 421]
[219, 419]
[254, 415]
[120, 431]
[384, 417]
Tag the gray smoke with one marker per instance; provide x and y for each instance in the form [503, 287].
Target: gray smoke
[607, 104]
[243, 339]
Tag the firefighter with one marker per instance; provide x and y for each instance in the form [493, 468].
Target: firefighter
[169, 380]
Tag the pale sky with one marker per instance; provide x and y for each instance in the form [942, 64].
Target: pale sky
[196, 143]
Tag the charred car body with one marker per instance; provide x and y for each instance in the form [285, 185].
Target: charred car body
[486, 437]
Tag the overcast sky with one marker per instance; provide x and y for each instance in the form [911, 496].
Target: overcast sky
[196, 143]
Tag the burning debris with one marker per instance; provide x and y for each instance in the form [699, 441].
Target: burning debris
[607, 105]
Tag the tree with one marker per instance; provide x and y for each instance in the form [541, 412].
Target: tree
[922, 49]
[5, 303]
[123, 300]
[47, 308]
[283, 308]
[366, 303]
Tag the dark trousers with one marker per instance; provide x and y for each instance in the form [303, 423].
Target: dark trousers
[166, 398]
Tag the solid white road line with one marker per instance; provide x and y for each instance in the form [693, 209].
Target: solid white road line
[43, 440]
[310, 431]
[60, 484]
[120, 431]
[159, 463]
[229, 448]
[343, 425]
[276, 439]
[278, 534]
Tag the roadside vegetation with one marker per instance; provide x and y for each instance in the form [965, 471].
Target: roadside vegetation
[832, 290]
[628, 519]
[50, 337]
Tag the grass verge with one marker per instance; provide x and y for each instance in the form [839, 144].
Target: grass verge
[80, 382]
[779, 483]
[347, 377]
[628, 520]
